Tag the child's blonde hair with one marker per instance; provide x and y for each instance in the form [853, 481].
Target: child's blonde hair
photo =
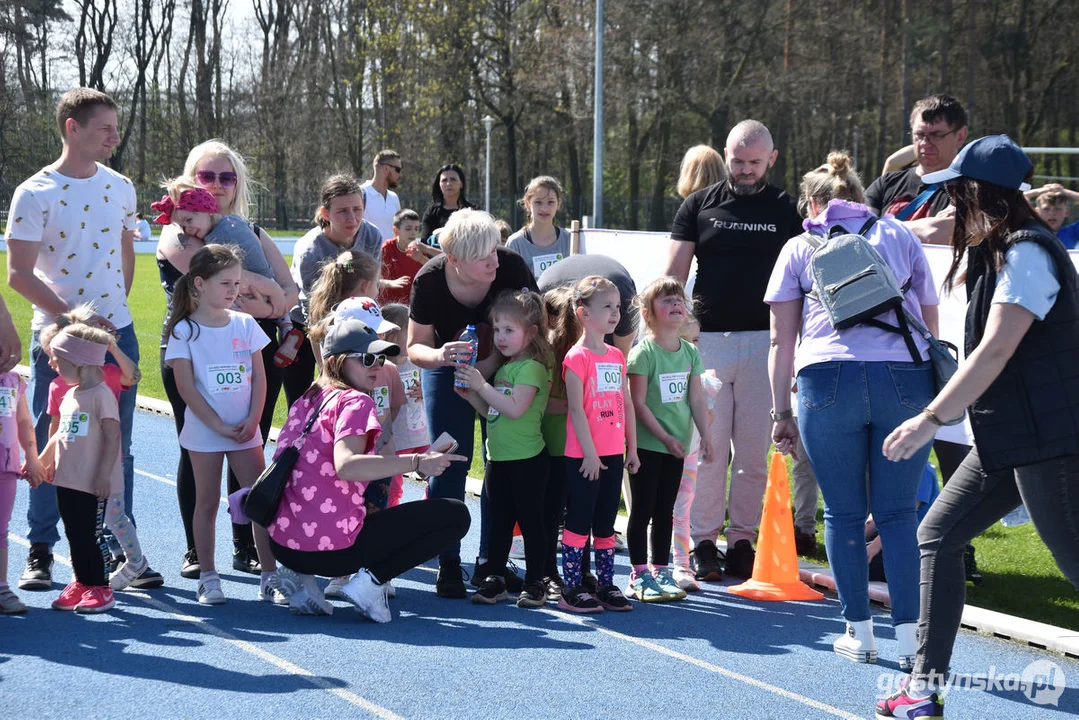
[666, 286]
[564, 331]
[526, 308]
[336, 281]
[89, 333]
[79, 314]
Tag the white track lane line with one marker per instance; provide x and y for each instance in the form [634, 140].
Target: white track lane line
[703, 664]
[248, 647]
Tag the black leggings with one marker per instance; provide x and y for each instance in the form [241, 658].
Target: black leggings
[297, 377]
[554, 507]
[950, 456]
[84, 524]
[390, 542]
[185, 476]
[515, 493]
[593, 504]
[653, 491]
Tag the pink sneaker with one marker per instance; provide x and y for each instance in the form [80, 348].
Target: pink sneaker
[70, 597]
[96, 599]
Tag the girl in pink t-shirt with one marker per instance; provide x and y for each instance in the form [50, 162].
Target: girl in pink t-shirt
[600, 428]
[16, 429]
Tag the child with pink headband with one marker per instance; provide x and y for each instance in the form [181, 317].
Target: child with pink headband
[194, 210]
[83, 458]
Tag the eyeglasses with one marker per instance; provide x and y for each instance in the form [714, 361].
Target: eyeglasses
[932, 138]
[369, 359]
[397, 168]
[207, 178]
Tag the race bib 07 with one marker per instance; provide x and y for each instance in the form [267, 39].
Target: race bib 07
[672, 386]
[491, 412]
[226, 378]
[542, 262]
[74, 425]
[8, 400]
[608, 377]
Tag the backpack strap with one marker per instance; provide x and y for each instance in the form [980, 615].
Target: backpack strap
[913, 205]
[904, 320]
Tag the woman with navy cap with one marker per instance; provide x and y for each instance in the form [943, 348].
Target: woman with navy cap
[1020, 383]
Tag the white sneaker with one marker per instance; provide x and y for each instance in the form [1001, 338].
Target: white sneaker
[368, 596]
[517, 548]
[858, 643]
[270, 590]
[128, 573]
[685, 579]
[389, 589]
[209, 592]
[333, 590]
[304, 595]
[907, 635]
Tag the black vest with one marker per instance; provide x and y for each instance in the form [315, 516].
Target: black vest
[1031, 411]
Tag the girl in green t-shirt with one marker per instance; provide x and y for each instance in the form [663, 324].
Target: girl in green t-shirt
[517, 464]
[665, 383]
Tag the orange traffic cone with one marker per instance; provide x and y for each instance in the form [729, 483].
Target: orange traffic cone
[775, 570]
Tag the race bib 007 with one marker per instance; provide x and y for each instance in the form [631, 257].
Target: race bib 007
[608, 377]
[226, 378]
[74, 425]
[8, 400]
[672, 386]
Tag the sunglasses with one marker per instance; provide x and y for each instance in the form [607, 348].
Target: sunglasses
[207, 178]
[369, 359]
[395, 167]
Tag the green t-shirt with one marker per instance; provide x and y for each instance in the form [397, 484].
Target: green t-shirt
[554, 434]
[521, 438]
[668, 389]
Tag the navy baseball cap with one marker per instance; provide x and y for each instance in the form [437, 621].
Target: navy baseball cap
[994, 159]
[353, 336]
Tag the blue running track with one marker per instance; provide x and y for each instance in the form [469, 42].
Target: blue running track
[159, 654]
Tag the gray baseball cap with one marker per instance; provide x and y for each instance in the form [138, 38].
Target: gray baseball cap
[353, 336]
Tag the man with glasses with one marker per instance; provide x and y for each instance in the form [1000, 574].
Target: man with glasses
[382, 201]
[938, 127]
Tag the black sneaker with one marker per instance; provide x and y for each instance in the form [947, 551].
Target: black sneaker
[970, 567]
[706, 562]
[479, 573]
[190, 568]
[246, 559]
[450, 582]
[514, 583]
[533, 595]
[589, 583]
[38, 572]
[611, 598]
[554, 586]
[805, 543]
[579, 601]
[149, 580]
[740, 560]
[491, 591]
[115, 564]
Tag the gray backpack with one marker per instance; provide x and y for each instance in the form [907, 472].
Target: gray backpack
[854, 283]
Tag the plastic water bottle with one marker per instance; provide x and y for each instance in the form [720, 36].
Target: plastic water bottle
[469, 336]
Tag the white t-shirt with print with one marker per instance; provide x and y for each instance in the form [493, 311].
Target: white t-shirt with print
[78, 222]
[379, 211]
[221, 362]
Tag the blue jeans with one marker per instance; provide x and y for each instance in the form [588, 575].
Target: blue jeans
[42, 515]
[448, 412]
[845, 411]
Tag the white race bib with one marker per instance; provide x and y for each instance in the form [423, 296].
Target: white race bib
[672, 386]
[491, 412]
[226, 378]
[542, 262]
[74, 425]
[608, 377]
[381, 396]
[8, 401]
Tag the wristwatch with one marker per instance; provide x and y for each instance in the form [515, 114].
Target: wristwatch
[781, 415]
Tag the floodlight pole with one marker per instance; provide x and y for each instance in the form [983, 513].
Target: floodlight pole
[489, 123]
[597, 139]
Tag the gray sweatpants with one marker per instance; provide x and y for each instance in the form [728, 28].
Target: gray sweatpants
[740, 360]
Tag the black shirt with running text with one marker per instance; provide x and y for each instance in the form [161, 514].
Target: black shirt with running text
[892, 191]
[737, 239]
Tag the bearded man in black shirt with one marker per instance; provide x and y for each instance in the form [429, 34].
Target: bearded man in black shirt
[735, 229]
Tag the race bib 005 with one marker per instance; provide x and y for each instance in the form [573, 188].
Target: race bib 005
[8, 400]
[672, 386]
[542, 262]
[226, 378]
[74, 425]
[608, 377]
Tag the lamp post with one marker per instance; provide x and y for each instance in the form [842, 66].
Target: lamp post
[489, 123]
[597, 129]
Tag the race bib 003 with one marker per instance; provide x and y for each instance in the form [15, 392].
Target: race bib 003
[74, 425]
[491, 412]
[672, 386]
[8, 400]
[542, 262]
[608, 377]
[226, 378]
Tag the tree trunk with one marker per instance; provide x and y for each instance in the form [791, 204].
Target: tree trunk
[658, 220]
[883, 87]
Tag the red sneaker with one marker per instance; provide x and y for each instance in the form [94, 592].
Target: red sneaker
[70, 597]
[96, 599]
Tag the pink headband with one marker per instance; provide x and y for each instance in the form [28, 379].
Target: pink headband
[78, 351]
[195, 200]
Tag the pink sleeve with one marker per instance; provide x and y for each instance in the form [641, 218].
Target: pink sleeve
[57, 389]
[113, 375]
[575, 361]
[356, 415]
[397, 389]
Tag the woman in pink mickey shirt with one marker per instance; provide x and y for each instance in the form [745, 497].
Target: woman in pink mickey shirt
[322, 527]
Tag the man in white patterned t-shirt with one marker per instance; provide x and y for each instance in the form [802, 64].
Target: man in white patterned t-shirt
[70, 239]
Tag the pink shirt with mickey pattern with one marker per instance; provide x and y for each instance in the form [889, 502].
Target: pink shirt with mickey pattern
[319, 511]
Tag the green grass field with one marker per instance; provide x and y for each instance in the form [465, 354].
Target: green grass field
[1020, 575]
